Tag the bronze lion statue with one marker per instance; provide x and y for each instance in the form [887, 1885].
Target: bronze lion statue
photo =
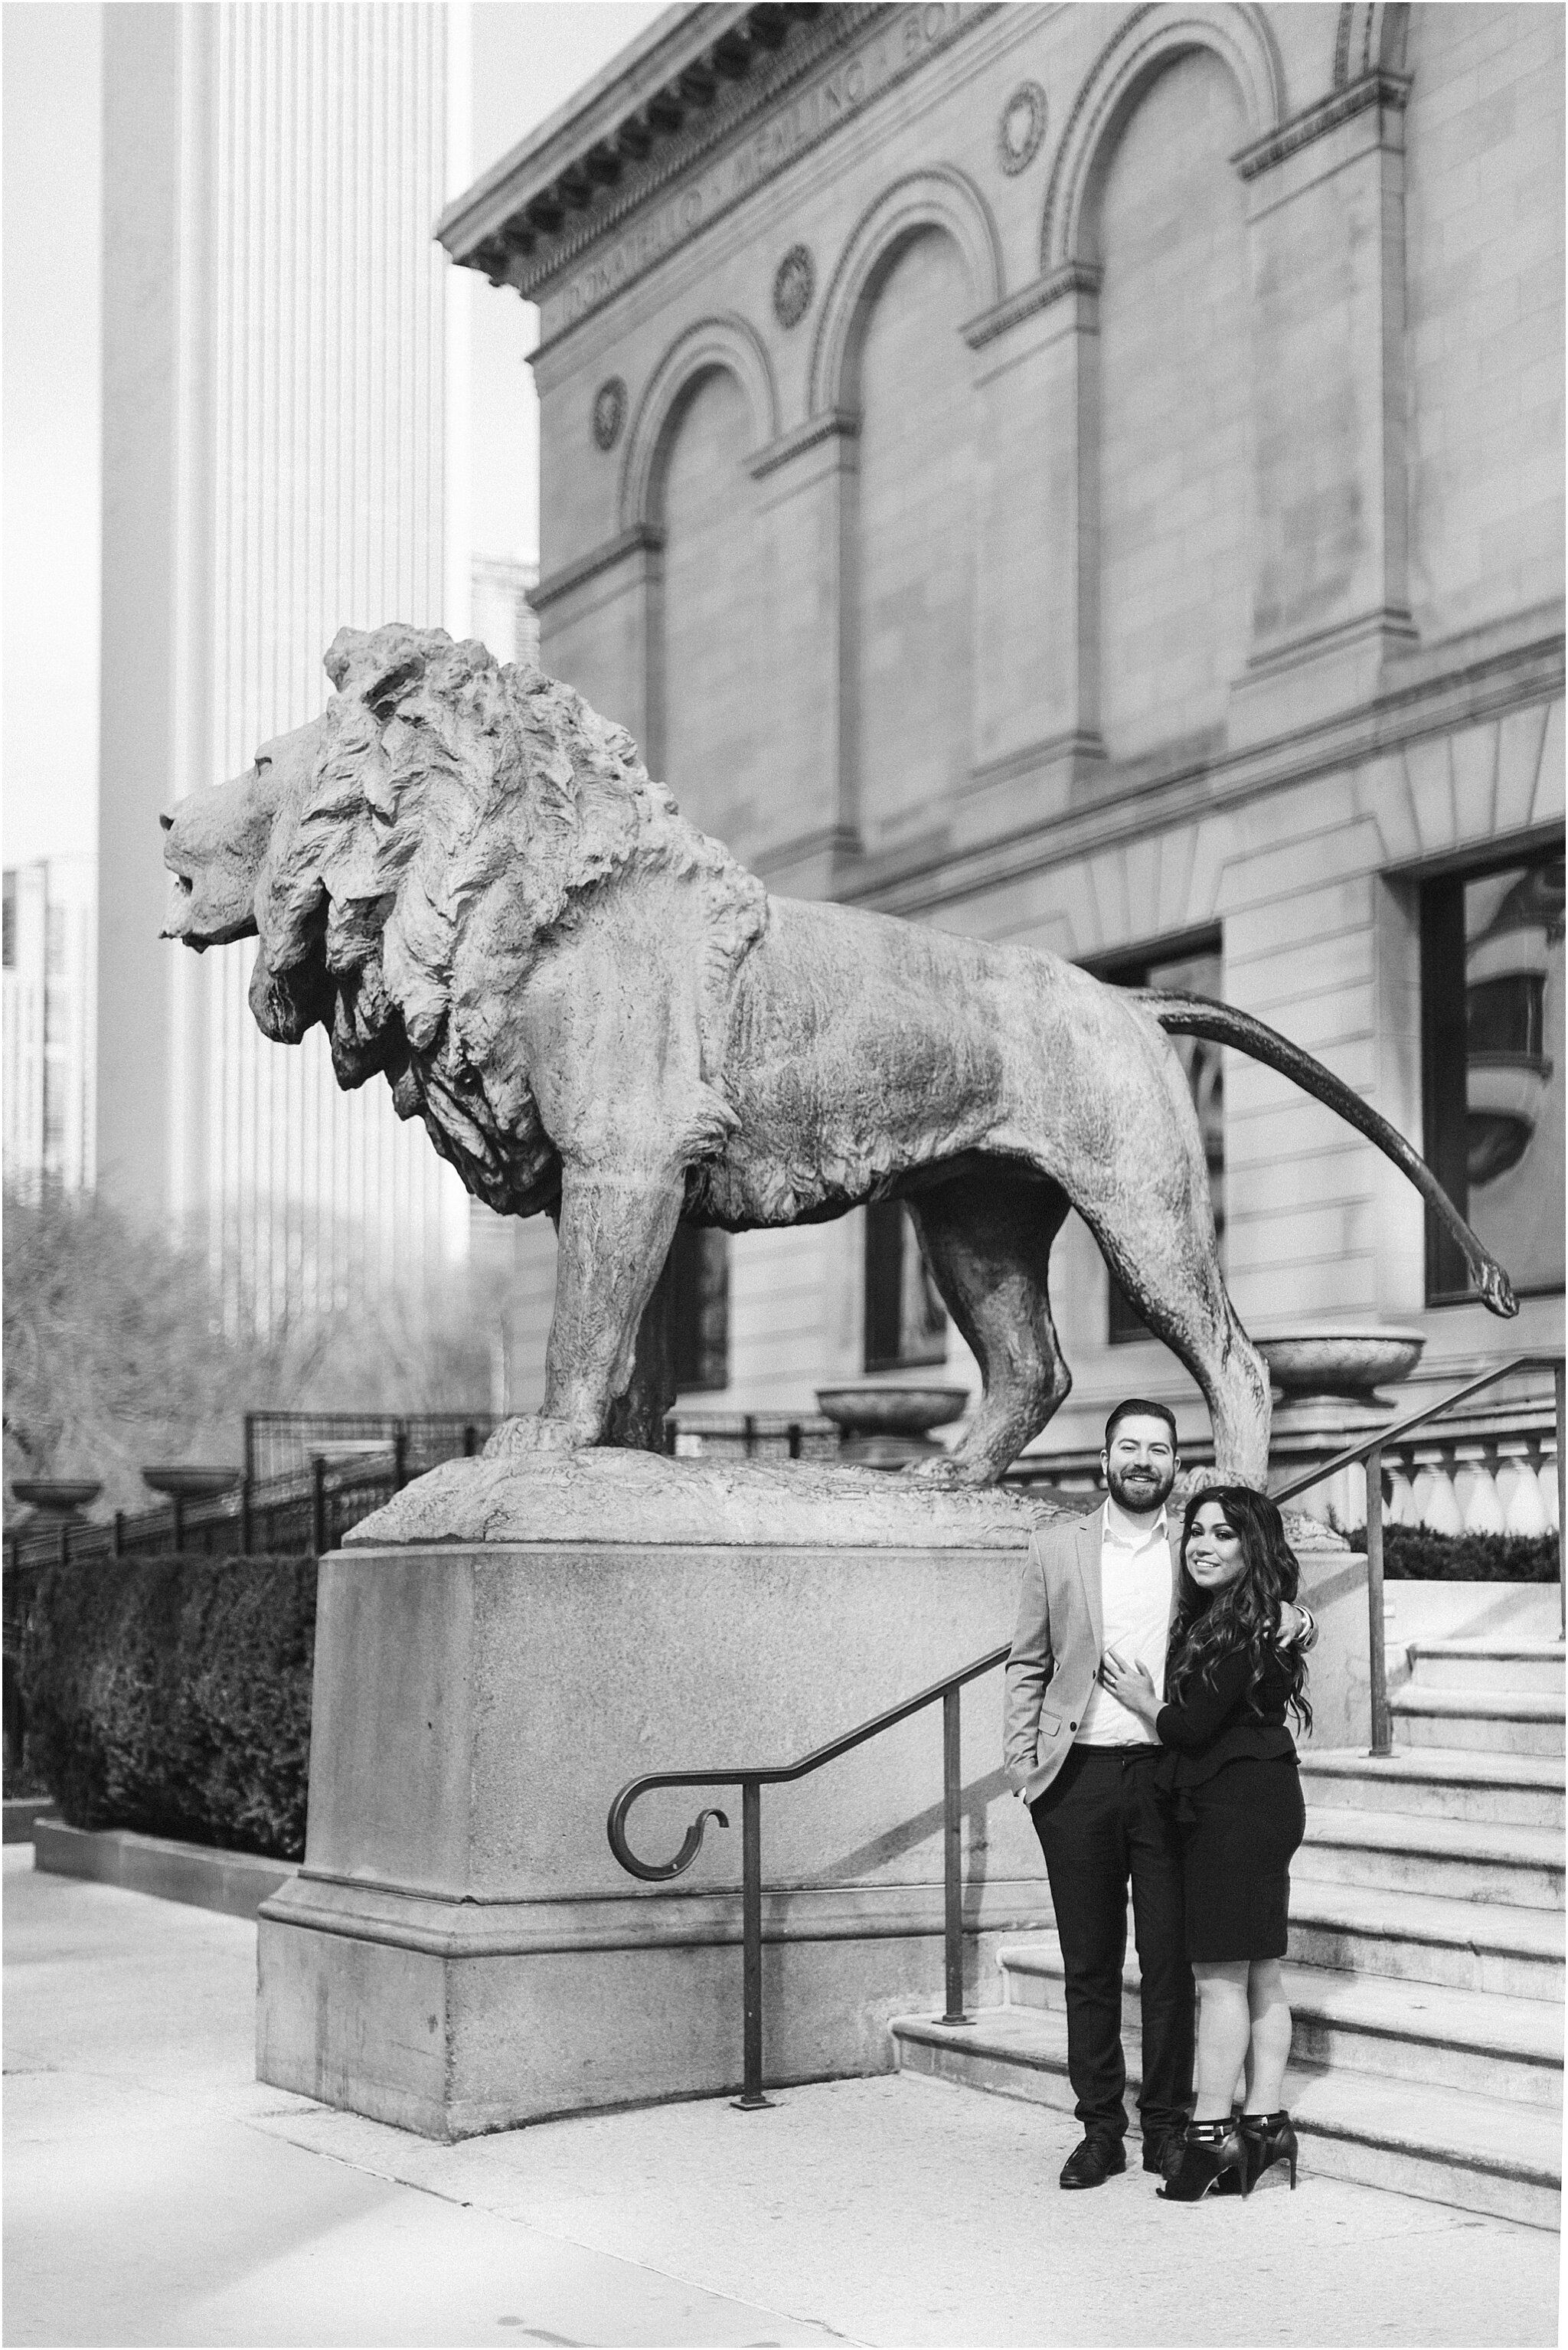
[467, 877]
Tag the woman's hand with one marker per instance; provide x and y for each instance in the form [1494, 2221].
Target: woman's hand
[1130, 1686]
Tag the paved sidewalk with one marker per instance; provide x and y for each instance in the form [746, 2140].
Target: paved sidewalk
[156, 2194]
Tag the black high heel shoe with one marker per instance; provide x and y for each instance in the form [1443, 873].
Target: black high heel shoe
[1268, 2138]
[1213, 2161]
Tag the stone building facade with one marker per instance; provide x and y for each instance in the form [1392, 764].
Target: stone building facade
[1092, 476]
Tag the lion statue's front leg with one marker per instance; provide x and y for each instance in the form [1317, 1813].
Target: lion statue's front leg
[608, 1366]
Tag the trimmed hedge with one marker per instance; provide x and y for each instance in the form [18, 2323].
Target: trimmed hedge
[172, 1695]
[1415, 1554]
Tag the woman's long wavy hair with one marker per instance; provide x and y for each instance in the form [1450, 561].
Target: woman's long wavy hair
[1212, 1624]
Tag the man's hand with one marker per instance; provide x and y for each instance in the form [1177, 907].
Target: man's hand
[1296, 1624]
[1131, 1685]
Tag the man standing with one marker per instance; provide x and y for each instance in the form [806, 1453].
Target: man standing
[1085, 1765]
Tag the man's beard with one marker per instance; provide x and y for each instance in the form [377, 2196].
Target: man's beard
[1129, 1491]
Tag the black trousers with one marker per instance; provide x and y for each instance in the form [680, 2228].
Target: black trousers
[1100, 1824]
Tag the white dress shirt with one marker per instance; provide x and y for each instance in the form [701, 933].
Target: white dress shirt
[1135, 1583]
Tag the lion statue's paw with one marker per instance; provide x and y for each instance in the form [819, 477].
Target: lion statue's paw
[514, 1439]
[951, 1472]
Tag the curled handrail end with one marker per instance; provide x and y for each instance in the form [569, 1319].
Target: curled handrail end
[655, 1872]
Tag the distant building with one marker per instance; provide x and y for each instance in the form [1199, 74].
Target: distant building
[276, 466]
[500, 614]
[50, 1018]
[1092, 477]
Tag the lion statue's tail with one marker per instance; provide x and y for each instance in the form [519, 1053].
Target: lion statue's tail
[1199, 1015]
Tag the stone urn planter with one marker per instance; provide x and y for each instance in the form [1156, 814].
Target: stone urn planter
[1348, 1366]
[56, 1497]
[191, 1481]
[886, 1426]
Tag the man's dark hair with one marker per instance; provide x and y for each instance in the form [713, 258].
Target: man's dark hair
[1138, 1408]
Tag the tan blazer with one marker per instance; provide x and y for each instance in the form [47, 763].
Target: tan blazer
[1056, 1648]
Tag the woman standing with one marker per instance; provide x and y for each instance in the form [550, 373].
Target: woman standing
[1231, 1769]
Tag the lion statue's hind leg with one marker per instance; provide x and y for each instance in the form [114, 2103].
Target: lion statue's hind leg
[1156, 1230]
[987, 1238]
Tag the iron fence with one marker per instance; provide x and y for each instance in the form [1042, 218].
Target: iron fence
[306, 1510]
[284, 1443]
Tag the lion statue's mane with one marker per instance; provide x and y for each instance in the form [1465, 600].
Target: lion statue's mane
[458, 814]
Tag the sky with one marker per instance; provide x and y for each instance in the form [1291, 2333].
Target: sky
[528, 56]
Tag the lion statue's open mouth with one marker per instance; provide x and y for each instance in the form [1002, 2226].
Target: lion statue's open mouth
[467, 877]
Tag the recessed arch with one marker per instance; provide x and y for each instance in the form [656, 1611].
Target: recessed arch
[1148, 41]
[940, 198]
[726, 344]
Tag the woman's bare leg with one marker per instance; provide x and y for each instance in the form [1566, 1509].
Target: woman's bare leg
[1224, 2031]
[1269, 2047]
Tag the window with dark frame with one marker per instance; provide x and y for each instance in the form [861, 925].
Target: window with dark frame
[699, 1259]
[905, 1319]
[1196, 967]
[1491, 940]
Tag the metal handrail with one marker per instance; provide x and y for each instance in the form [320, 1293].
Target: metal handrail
[751, 1781]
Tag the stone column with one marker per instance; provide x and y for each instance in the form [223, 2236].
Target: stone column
[1037, 662]
[1330, 597]
[806, 479]
[601, 624]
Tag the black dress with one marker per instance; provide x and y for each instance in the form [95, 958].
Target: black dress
[1231, 1771]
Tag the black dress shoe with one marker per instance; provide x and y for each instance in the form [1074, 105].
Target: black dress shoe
[1091, 2164]
[1162, 2151]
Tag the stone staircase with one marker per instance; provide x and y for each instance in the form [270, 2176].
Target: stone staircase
[1425, 1964]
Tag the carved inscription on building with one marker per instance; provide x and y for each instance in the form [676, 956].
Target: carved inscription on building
[830, 98]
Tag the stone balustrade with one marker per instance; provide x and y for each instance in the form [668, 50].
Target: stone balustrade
[1479, 1472]
[1496, 1485]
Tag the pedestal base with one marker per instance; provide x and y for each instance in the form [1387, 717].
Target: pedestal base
[460, 1951]
[424, 2015]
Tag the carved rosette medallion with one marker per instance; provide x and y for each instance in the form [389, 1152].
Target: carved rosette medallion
[794, 282]
[1021, 127]
[609, 412]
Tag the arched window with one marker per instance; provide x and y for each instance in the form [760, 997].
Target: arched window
[1175, 402]
[912, 568]
[713, 667]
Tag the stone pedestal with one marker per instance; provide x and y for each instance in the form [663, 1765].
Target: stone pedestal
[508, 1644]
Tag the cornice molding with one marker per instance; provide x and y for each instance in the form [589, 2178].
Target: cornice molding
[1073, 277]
[1132, 807]
[640, 539]
[833, 425]
[637, 110]
[550, 207]
[1387, 91]
[844, 59]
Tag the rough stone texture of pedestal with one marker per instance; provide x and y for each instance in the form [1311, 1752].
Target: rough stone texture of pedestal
[509, 1643]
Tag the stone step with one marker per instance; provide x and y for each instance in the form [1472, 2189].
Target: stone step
[1511, 1665]
[1450, 1783]
[1492, 1946]
[1496, 1947]
[1478, 2153]
[1467, 1860]
[1471, 2041]
[1500, 1722]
